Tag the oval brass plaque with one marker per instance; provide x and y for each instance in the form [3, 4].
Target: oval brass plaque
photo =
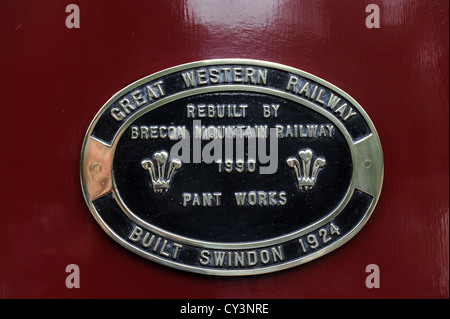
[231, 167]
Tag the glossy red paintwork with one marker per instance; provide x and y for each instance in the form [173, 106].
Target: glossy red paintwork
[54, 80]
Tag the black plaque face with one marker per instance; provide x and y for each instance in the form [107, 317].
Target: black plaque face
[231, 167]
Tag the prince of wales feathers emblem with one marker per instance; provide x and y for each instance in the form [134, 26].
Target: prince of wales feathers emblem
[160, 181]
[308, 179]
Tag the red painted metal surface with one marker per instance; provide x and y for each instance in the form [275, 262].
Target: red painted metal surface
[54, 80]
